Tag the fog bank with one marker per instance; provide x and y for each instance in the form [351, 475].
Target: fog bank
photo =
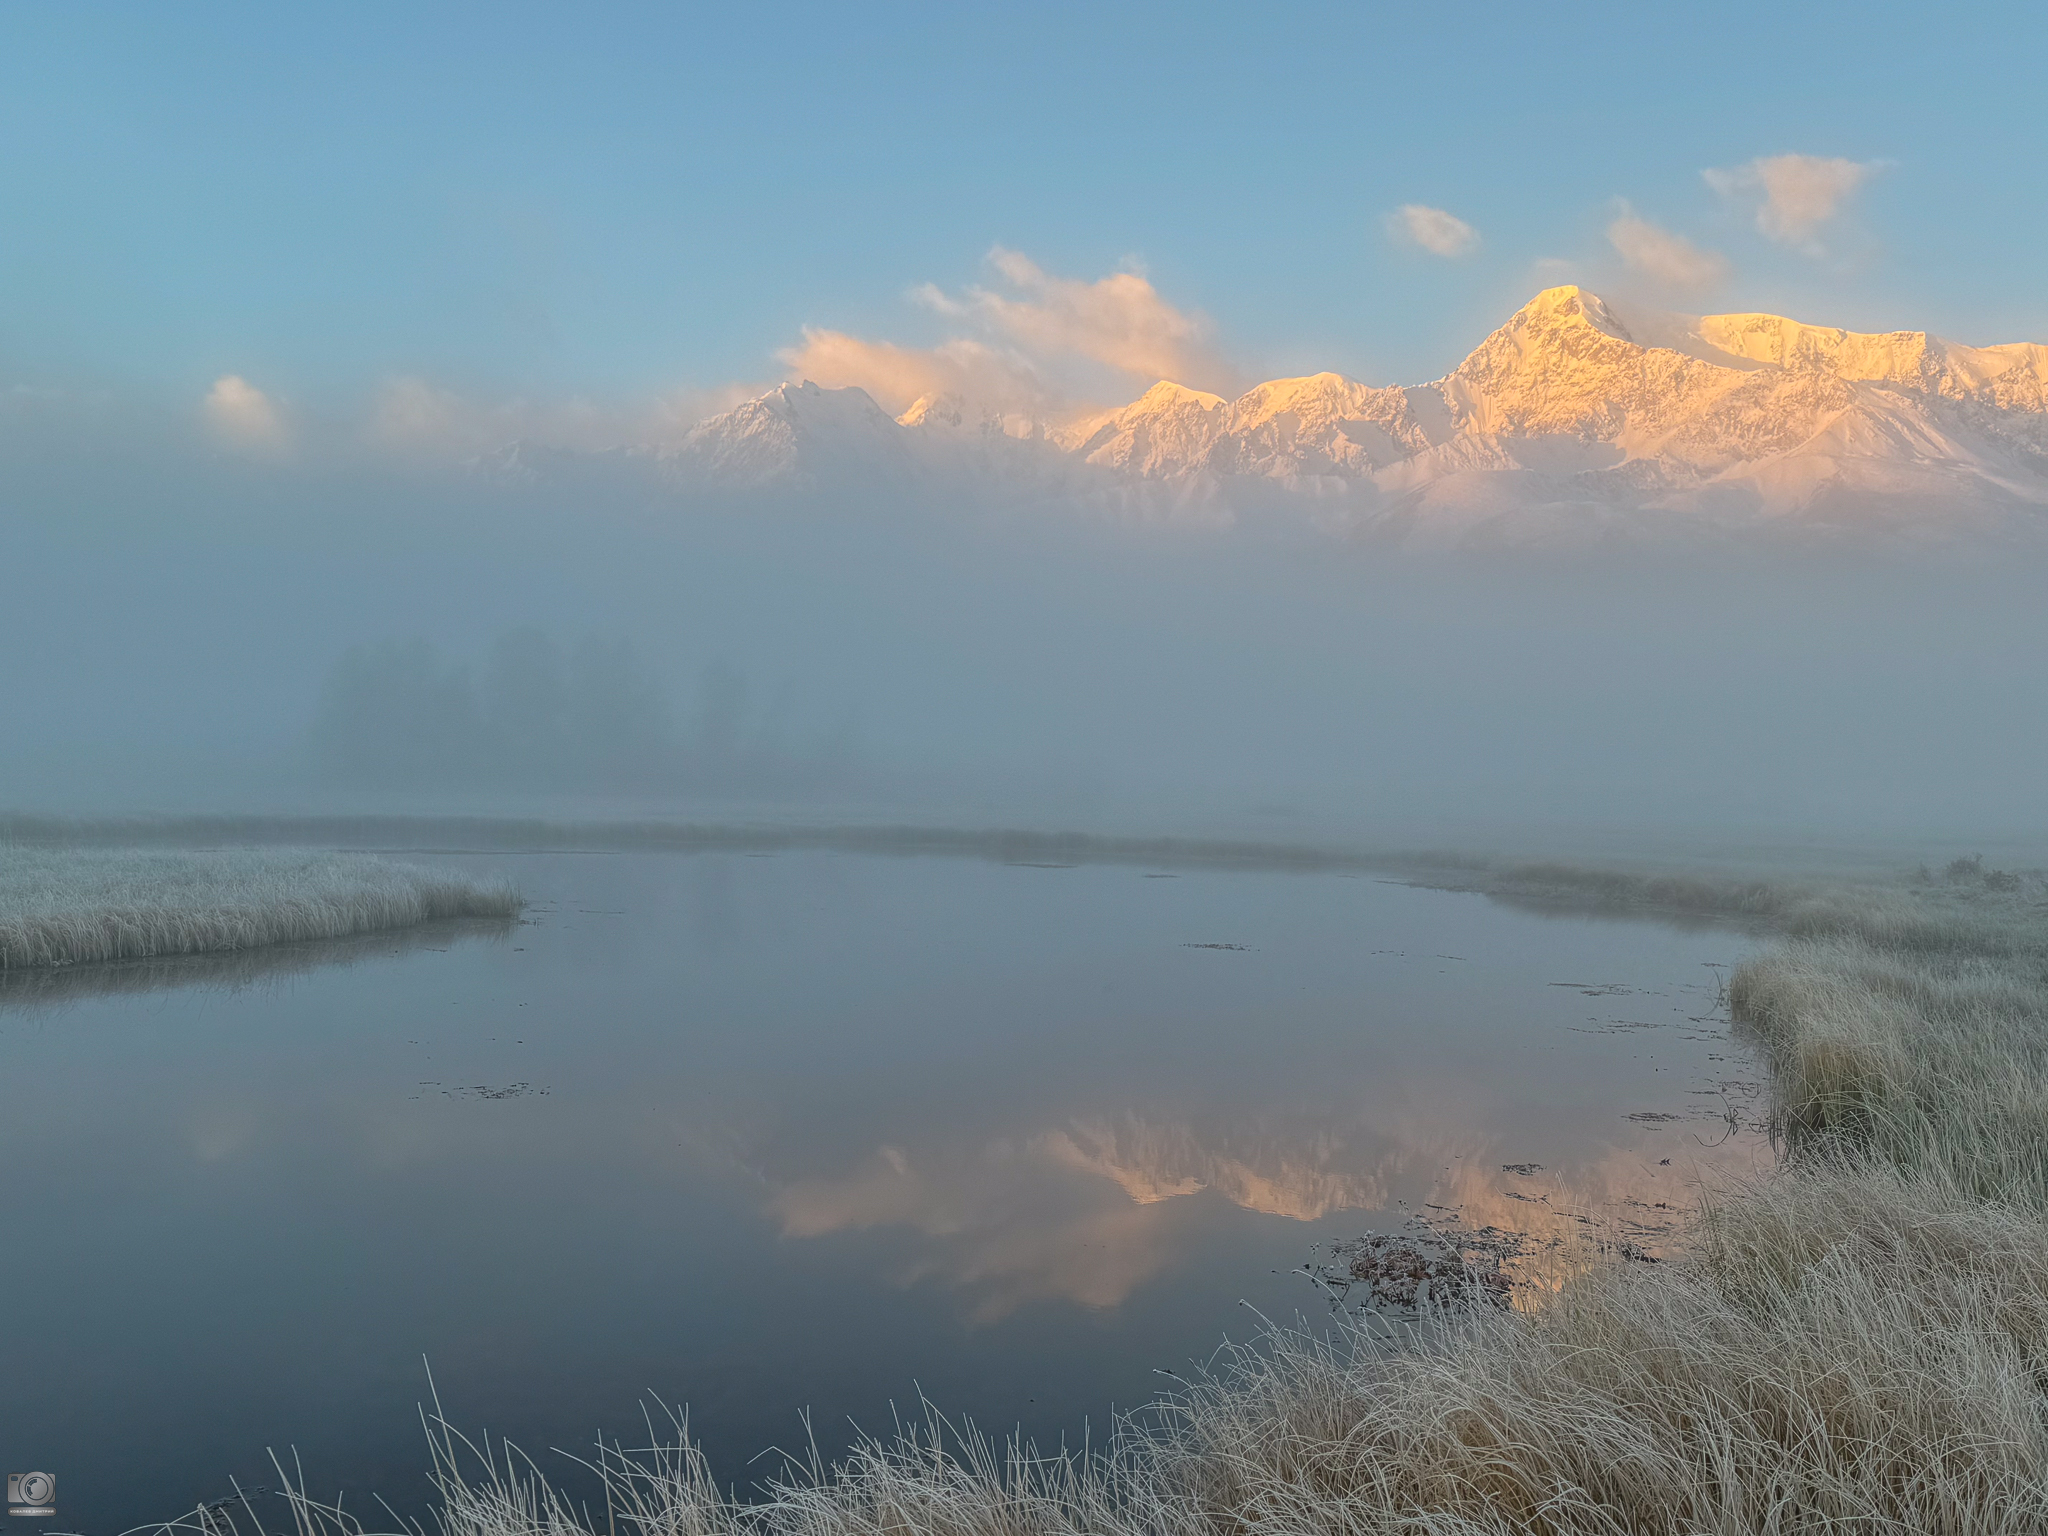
[273, 640]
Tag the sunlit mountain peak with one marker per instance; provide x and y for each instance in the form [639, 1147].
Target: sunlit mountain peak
[1577, 414]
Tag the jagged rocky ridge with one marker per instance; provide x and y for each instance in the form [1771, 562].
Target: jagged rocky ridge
[1570, 413]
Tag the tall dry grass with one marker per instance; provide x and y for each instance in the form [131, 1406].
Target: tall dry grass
[1856, 1344]
[74, 906]
[1846, 1351]
[1925, 1056]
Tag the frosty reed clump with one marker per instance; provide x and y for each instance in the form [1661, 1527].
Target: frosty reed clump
[77, 906]
[1857, 1343]
[1928, 1058]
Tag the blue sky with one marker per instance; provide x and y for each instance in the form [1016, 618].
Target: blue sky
[615, 203]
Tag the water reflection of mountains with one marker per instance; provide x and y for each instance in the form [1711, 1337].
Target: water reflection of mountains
[58, 986]
[1092, 1208]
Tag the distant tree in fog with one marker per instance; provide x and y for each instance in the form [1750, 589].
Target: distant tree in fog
[614, 702]
[394, 714]
[398, 714]
[525, 707]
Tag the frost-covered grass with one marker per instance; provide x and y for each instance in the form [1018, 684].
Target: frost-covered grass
[1931, 1060]
[75, 906]
[1858, 1343]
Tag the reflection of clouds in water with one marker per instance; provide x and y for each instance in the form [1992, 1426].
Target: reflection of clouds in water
[1096, 1260]
[1010, 1222]
[888, 1192]
[1092, 1209]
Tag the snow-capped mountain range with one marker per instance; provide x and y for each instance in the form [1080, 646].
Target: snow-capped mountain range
[1573, 412]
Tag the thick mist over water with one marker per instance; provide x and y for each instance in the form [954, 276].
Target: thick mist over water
[272, 639]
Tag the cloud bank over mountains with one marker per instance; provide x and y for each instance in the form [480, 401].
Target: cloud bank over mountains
[1026, 346]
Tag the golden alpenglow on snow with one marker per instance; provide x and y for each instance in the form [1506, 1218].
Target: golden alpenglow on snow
[1578, 412]
[1110, 771]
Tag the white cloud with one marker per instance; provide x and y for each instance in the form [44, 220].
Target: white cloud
[411, 413]
[1434, 230]
[932, 296]
[1119, 321]
[1030, 342]
[1796, 194]
[897, 376]
[413, 417]
[1028, 347]
[244, 416]
[1670, 260]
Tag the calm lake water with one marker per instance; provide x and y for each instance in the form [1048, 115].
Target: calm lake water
[756, 1134]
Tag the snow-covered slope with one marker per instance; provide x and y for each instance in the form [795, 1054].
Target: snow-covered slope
[797, 434]
[1168, 430]
[1572, 409]
[1736, 415]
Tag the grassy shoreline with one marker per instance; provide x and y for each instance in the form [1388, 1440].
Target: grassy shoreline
[1856, 1343]
[1574, 881]
[64, 907]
